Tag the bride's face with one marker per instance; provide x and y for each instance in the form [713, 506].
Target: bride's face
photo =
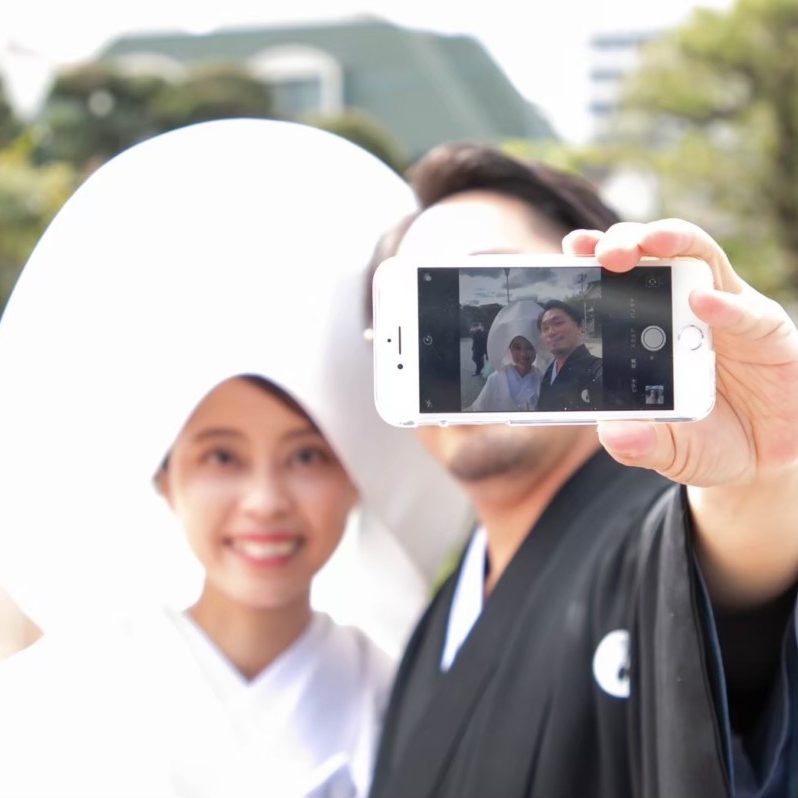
[261, 495]
[522, 353]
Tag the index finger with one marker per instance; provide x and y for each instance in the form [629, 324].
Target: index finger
[624, 244]
[581, 242]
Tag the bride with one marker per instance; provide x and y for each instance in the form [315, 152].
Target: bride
[185, 344]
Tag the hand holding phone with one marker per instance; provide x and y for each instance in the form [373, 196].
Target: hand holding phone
[539, 339]
[749, 442]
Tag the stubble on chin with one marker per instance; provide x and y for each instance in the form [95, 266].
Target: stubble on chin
[492, 453]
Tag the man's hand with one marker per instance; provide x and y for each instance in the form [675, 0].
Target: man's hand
[741, 462]
[752, 432]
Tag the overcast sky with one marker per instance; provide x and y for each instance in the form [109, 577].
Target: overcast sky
[489, 286]
[542, 46]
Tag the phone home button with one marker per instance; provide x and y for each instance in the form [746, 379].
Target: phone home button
[653, 338]
[691, 337]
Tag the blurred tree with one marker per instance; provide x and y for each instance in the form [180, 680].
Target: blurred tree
[10, 126]
[553, 152]
[94, 112]
[30, 195]
[91, 114]
[591, 161]
[714, 110]
[212, 92]
[359, 128]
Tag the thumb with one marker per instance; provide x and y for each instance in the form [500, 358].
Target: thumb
[639, 443]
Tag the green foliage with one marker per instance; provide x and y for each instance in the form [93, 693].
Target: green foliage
[10, 126]
[216, 92]
[592, 162]
[713, 110]
[552, 152]
[96, 111]
[361, 129]
[30, 195]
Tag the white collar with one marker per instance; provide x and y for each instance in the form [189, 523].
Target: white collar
[226, 681]
[468, 597]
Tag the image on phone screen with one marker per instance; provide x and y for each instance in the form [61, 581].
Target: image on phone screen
[542, 339]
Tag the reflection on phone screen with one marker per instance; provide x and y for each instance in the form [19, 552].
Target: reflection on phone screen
[544, 339]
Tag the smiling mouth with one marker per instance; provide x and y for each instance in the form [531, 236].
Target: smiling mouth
[266, 552]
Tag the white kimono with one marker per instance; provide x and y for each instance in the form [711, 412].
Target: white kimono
[497, 395]
[153, 709]
[218, 250]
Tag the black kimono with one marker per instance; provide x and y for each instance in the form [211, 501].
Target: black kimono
[577, 386]
[525, 710]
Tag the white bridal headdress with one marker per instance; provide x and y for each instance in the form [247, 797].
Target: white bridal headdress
[224, 248]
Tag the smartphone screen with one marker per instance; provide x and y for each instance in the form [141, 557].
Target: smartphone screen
[544, 339]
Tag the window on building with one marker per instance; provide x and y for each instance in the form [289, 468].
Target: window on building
[303, 80]
[297, 96]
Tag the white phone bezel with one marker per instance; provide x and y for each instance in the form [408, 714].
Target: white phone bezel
[396, 374]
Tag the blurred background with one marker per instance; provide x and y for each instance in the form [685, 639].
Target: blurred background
[678, 108]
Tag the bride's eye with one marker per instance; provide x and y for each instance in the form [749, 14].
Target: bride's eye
[220, 456]
[310, 456]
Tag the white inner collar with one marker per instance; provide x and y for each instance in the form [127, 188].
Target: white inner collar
[468, 597]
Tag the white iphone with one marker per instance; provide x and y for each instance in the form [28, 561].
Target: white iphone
[537, 339]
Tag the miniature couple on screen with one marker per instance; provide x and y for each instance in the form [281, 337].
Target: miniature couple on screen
[188, 429]
[540, 360]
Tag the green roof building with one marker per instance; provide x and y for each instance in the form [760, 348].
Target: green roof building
[424, 88]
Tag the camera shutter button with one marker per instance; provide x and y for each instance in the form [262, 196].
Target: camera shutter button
[653, 338]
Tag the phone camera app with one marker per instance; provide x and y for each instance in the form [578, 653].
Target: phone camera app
[544, 339]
